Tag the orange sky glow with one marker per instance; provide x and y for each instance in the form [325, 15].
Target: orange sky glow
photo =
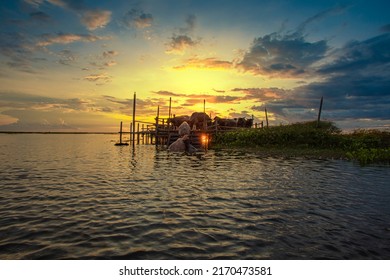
[68, 66]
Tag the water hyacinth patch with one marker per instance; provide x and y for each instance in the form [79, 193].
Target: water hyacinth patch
[365, 146]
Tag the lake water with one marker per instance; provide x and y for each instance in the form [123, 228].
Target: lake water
[81, 197]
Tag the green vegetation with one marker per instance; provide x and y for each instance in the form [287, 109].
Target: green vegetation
[368, 146]
[306, 139]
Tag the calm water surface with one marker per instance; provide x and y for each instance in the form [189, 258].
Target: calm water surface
[81, 197]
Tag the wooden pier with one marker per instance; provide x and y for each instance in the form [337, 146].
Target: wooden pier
[163, 133]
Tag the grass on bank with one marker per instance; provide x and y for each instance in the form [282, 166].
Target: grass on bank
[308, 140]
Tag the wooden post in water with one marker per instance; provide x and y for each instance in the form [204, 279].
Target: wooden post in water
[319, 112]
[138, 133]
[120, 134]
[170, 109]
[156, 136]
[266, 116]
[143, 134]
[134, 102]
[120, 138]
[204, 115]
[131, 132]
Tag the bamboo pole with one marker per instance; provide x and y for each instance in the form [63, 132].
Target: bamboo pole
[319, 112]
[143, 134]
[138, 133]
[131, 132]
[156, 136]
[120, 137]
[120, 134]
[204, 115]
[134, 105]
[170, 107]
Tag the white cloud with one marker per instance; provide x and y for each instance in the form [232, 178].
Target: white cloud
[99, 79]
[180, 43]
[96, 19]
[67, 38]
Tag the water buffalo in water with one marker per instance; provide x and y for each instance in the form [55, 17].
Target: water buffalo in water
[199, 120]
[181, 145]
[244, 122]
[249, 123]
[177, 121]
[225, 123]
[241, 122]
[184, 129]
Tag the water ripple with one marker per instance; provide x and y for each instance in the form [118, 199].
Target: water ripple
[80, 197]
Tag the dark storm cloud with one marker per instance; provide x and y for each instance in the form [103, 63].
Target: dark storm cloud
[357, 84]
[287, 54]
[350, 96]
[354, 82]
[282, 55]
[345, 97]
[369, 56]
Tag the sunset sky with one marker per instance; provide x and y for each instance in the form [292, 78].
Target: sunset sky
[69, 65]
